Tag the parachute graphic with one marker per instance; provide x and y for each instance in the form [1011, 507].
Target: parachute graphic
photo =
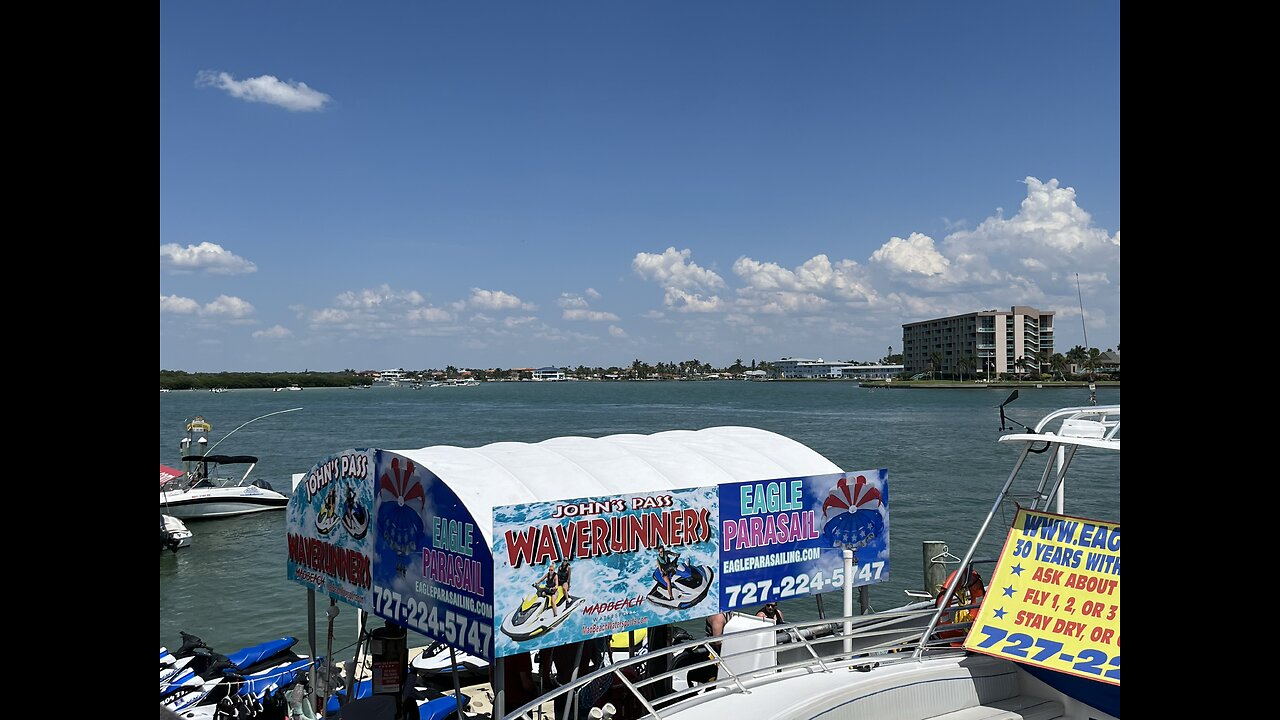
[851, 516]
[399, 523]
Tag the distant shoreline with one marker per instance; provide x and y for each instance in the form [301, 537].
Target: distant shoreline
[1003, 384]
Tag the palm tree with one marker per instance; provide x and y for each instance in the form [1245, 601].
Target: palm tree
[1092, 362]
[1019, 365]
[1078, 355]
[935, 363]
[1059, 364]
[963, 363]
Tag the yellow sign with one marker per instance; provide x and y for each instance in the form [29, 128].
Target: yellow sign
[1054, 600]
[199, 425]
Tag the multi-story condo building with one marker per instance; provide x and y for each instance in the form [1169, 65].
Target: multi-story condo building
[983, 344]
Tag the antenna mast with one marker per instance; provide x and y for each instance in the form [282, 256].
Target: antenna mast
[1093, 389]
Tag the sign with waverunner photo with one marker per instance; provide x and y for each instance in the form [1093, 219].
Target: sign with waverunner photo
[583, 568]
[784, 538]
[373, 529]
[327, 523]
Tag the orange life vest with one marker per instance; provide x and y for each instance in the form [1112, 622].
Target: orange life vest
[969, 593]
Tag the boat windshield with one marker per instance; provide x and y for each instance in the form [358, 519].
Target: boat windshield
[186, 482]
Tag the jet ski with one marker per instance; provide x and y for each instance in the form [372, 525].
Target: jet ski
[193, 684]
[327, 519]
[535, 616]
[635, 642]
[434, 663]
[355, 518]
[689, 585]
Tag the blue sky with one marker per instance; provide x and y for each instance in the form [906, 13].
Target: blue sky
[516, 184]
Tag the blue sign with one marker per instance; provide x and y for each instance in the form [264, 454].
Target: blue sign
[431, 572]
[571, 570]
[784, 538]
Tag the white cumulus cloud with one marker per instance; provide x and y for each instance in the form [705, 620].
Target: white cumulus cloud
[290, 95]
[593, 315]
[207, 256]
[684, 283]
[769, 287]
[571, 300]
[916, 254]
[497, 300]
[671, 270]
[379, 297]
[275, 332]
[227, 306]
[178, 305]
[222, 307]
[430, 314]
[615, 331]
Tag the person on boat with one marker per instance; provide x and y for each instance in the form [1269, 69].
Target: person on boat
[518, 679]
[667, 562]
[564, 573]
[547, 586]
[714, 627]
[770, 611]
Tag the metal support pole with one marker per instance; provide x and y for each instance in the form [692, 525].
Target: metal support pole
[311, 641]
[457, 687]
[500, 688]
[848, 600]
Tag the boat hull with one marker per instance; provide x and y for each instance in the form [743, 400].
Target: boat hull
[188, 507]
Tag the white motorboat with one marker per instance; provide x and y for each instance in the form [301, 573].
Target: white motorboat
[947, 658]
[457, 382]
[201, 493]
[173, 533]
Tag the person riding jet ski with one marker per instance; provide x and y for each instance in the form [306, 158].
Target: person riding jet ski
[679, 585]
[547, 607]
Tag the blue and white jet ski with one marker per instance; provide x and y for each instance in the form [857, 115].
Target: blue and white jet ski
[689, 585]
[355, 518]
[195, 683]
[434, 663]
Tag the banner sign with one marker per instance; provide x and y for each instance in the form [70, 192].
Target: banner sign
[590, 567]
[431, 572]
[1054, 600]
[327, 523]
[374, 530]
[784, 538]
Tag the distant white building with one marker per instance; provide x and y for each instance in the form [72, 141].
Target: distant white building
[392, 377]
[548, 374]
[804, 368]
[873, 372]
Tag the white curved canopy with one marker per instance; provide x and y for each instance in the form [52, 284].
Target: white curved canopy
[512, 473]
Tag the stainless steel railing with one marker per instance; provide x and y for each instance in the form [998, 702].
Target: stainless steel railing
[803, 647]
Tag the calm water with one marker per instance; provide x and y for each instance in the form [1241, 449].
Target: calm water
[945, 468]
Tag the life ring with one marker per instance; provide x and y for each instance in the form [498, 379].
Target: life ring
[970, 593]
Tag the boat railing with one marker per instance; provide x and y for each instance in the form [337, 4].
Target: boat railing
[1107, 415]
[1087, 425]
[799, 648]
